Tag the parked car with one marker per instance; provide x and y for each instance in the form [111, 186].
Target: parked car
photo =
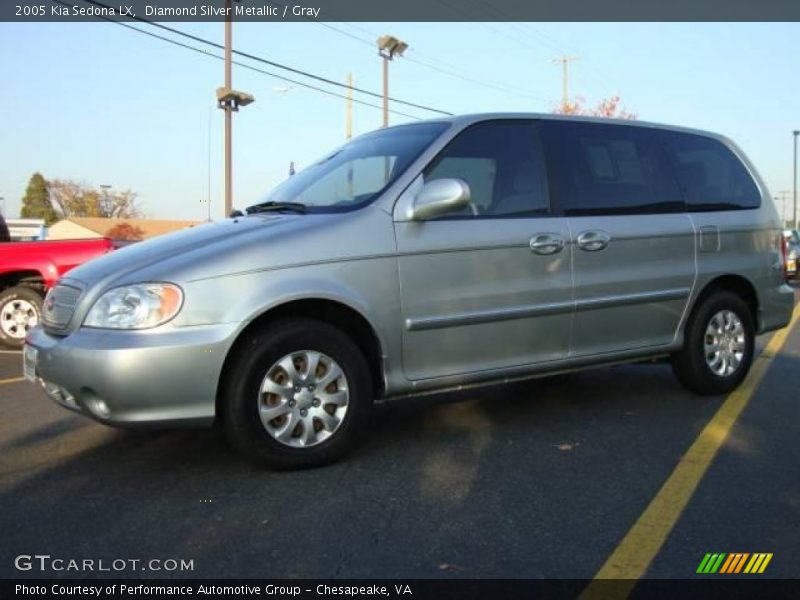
[792, 238]
[27, 271]
[5, 236]
[420, 258]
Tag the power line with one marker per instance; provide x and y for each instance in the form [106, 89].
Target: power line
[241, 64]
[276, 64]
[477, 79]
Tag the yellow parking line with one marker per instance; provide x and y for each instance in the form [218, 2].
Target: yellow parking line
[639, 547]
[12, 380]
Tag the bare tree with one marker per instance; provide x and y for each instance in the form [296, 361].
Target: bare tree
[73, 199]
[610, 108]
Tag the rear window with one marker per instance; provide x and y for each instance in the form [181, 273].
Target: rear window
[598, 169]
[710, 175]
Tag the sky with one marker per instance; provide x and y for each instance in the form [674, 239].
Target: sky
[101, 104]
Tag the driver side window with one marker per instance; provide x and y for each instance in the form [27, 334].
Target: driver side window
[502, 163]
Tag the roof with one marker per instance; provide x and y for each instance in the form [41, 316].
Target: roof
[472, 118]
[150, 227]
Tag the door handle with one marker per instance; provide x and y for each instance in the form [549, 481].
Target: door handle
[592, 241]
[547, 243]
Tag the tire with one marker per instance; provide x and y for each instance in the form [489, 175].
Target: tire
[243, 403]
[693, 365]
[20, 310]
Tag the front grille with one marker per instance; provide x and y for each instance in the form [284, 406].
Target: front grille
[59, 306]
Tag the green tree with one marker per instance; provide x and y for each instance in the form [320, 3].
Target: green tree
[36, 202]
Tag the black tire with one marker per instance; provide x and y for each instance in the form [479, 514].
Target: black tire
[689, 364]
[248, 367]
[12, 334]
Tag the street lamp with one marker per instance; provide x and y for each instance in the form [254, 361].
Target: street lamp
[388, 46]
[795, 133]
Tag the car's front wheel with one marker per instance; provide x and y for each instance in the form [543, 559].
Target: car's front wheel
[298, 394]
[20, 311]
[718, 345]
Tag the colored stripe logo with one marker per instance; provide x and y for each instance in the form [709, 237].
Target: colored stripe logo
[735, 562]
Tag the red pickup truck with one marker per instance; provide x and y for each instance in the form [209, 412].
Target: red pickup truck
[27, 271]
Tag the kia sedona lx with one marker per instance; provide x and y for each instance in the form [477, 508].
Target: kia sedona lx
[420, 258]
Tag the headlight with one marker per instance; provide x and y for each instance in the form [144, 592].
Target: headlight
[139, 306]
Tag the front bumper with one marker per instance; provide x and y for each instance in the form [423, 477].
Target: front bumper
[154, 377]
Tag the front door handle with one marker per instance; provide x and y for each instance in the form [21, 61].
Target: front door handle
[547, 243]
[594, 240]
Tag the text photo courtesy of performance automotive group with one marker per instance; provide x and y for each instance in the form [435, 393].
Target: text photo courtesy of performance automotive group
[299, 303]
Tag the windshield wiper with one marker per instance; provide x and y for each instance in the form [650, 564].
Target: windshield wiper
[297, 207]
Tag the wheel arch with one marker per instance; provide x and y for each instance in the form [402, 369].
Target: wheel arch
[334, 312]
[737, 284]
[27, 277]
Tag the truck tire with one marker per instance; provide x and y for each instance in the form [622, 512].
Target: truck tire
[297, 394]
[20, 310]
[718, 345]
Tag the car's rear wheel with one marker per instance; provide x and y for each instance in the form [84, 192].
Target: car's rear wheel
[718, 345]
[298, 394]
[20, 311]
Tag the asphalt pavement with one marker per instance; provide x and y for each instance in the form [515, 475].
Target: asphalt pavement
[531, 480]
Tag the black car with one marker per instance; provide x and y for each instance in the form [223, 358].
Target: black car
[4, 235]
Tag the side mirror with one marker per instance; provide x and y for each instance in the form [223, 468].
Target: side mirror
[439, 197]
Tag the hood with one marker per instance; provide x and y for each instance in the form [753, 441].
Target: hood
[232, 246]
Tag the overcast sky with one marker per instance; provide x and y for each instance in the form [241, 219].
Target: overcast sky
[105, 105]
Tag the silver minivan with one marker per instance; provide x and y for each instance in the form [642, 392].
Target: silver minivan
[424, 257]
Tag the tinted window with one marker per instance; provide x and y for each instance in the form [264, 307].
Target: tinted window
[608, 169]
[502, 164]
[710, 175]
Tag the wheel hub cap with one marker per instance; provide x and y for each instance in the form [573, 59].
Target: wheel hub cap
[725, 343]
[18, 317]
[303, 399]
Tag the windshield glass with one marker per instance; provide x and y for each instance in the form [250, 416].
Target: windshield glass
[356, 173]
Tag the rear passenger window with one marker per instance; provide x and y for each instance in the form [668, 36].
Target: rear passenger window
[600, 169]
[710, 175]
[502, 164]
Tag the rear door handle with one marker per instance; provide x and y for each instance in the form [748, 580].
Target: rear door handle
[593, 240]
[547, 243]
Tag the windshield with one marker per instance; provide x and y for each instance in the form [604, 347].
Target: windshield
[356, 173]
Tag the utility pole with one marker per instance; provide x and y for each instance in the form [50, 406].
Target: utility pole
[228, 111]
[795, 133]
[388, 46]
[565, 60]
[229, 100]
[348, 115]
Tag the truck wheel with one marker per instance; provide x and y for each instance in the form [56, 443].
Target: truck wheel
[718, 345]
[298, 394]
[20, 311]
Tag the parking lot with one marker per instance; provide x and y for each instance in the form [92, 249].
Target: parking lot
[536, 479]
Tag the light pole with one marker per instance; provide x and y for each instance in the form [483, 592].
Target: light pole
[104, 208]
[795, 133]
[229, 100]
[388, 46]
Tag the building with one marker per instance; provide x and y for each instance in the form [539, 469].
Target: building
[76, 228]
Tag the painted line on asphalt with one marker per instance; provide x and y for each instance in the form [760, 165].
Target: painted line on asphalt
[634, 554]
[12, 380]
